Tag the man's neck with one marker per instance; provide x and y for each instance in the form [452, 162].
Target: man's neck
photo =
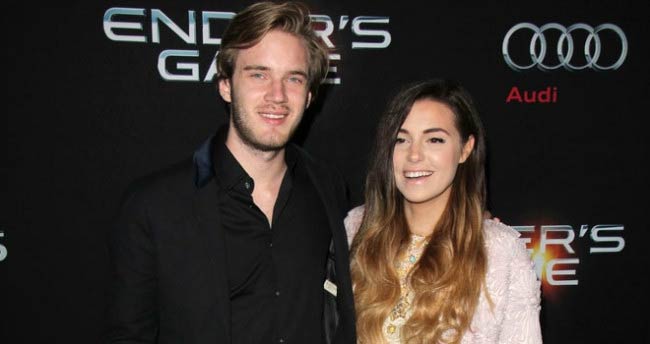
[265, 167]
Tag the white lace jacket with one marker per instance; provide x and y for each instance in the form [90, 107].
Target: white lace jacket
[511, 283]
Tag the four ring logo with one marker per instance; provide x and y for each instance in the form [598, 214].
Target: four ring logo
[565, 47]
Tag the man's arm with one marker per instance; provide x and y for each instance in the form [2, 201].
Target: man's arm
[132, 310]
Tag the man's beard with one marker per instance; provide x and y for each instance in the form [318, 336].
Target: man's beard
[246, 133]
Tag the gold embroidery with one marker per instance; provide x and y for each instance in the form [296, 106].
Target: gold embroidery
[404, 265]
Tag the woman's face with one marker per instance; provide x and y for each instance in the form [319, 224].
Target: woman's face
[428, 149]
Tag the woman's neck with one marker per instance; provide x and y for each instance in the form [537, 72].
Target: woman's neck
[423, 217]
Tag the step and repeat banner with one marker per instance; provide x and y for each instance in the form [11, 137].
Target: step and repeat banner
[101, 93]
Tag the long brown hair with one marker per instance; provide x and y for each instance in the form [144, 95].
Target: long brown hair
[250, 25]
[449, 277]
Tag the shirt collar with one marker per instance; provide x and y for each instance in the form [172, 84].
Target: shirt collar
[227, 169]
[214, 150]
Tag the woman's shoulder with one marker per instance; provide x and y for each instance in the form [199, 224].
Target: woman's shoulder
[352, 222]
[498, 236]
[507, 251]
[499, 230]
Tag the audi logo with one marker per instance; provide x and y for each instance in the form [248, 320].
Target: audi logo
[565, 47]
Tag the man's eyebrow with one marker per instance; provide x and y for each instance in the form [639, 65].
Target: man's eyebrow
[265, 68]
[299, 72]
[256, 67]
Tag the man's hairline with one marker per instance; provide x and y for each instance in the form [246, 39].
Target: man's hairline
[251, 44]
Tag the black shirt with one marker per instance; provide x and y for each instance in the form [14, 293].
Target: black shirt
[276, 274]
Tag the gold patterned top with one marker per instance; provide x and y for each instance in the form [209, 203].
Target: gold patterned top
[402, 310]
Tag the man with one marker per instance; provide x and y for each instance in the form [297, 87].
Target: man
[240, 244]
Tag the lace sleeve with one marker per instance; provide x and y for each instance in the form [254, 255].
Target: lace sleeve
[521, 322]
[352, 222]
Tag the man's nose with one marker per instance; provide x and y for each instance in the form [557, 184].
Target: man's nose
[277, 92]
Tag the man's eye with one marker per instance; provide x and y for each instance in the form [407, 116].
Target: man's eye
[296, 80]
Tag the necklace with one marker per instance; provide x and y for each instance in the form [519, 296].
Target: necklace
[404, 265]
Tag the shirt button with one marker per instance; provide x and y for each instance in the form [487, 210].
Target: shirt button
[281, 340]
[270, 244]
[277, 293]
[247, 185]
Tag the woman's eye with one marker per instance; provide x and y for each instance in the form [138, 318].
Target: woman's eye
[436, 140]
[400, 140]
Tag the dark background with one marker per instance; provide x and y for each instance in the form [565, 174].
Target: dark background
[86, 115]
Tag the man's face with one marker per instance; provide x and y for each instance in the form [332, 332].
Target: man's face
[268, 91]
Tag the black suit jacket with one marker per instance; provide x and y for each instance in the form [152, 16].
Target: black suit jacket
[169, 282]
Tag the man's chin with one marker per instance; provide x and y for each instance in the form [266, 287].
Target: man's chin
[271, 145]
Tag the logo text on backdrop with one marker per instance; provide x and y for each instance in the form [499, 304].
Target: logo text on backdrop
[553, 248]
[123, 24]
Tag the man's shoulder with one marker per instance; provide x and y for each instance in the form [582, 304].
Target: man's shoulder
[318, 167]
[172, 179]
[304, 156]
[326, 177]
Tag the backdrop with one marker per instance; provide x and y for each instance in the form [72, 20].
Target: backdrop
[99, 93]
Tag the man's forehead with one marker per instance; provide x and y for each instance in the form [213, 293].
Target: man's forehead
[275, 49]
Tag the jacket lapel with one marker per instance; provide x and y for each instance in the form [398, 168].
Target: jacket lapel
[344, 313]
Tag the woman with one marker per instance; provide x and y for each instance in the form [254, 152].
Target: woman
[426, 266]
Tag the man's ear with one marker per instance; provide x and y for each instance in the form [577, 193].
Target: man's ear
[467, 149]
[225, 89]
